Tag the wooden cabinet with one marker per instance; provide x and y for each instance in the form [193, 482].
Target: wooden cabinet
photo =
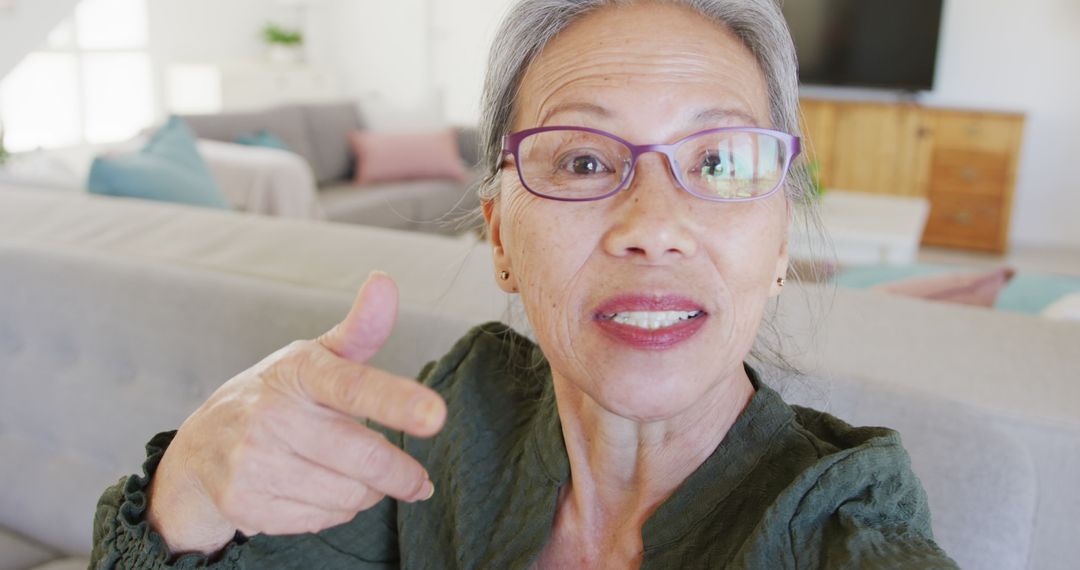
[963, 162]
[972, 179]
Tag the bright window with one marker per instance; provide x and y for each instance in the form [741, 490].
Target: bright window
[92, 81]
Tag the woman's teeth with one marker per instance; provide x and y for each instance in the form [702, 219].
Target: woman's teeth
[653, 320]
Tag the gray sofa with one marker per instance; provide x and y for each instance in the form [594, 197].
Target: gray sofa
[319, 133]
[118, 317]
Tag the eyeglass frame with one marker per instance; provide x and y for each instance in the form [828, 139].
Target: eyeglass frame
[512, 144]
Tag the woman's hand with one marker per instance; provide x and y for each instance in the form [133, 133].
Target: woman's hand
[277, 449]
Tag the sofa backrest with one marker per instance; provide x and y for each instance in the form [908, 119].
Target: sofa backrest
[287, 123]
[111, 305]
[329, 125]
[100, 351]
[449, 276]
[1021, 370]
[316, 131]
[319, 132]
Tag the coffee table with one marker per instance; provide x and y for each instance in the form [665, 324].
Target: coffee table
[866, 228]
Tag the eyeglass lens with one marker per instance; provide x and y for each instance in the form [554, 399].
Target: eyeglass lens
[578, 165]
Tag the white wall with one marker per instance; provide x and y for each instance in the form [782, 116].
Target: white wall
[25, 25]
[461, 40]
[216, 30]
[207, 30]
[381, 48]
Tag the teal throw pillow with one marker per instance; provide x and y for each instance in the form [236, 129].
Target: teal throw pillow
[169, 168]
[262, 138]
[1031, 293]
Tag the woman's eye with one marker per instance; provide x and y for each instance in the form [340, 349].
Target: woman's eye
[584, 165]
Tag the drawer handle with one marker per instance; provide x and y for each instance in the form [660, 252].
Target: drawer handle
[963, 218]
[969, 174]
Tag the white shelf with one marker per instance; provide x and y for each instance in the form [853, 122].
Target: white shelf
[240, 86]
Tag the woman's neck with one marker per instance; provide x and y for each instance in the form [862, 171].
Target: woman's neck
[622, 470]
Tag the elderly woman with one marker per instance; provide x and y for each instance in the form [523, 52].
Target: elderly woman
[637, 200]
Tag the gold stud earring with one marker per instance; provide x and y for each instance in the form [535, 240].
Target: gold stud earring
[504, 275]
[780, 281]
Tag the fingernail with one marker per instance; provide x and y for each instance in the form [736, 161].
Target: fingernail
[429, 490]
[427, 413]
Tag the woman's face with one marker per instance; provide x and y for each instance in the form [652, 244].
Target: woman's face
[649, 74]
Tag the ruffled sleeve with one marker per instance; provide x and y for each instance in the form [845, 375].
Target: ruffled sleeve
[867, 510]
[122, 536]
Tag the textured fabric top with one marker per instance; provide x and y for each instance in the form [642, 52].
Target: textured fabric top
[788, 487]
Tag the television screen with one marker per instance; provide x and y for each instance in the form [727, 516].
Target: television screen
[866, 43]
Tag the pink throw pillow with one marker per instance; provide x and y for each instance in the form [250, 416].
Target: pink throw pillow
[390, 157]
[979, 289]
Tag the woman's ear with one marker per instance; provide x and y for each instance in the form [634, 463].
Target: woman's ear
[781, 271]
[504, 274]
[782, 259]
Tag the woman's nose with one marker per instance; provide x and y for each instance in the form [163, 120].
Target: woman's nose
[651, 219]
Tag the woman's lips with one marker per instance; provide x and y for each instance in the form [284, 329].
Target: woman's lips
[650, 322]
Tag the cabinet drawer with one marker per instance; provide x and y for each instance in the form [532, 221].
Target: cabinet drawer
[988, 133]
[969, 172]
[964, 220]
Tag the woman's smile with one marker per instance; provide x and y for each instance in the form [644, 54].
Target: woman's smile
[650, 322]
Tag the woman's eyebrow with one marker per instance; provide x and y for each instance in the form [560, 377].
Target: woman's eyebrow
[718, 115]
[575, 106]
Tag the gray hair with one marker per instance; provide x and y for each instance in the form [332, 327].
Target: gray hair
[759, 24]
[531, 24]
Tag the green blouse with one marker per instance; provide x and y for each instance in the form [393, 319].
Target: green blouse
[788, 487]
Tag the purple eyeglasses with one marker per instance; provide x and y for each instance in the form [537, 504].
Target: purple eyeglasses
[578, 164]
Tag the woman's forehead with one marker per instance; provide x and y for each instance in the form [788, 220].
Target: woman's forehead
[658, 60]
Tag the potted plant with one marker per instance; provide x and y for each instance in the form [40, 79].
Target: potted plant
[283, 45]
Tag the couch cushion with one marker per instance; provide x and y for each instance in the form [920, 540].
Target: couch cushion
[17, 552]
[432, 206]
[329, 125]
[82, 395]
[169, 168]
[65, 564]
[1018, 368]
[287, 123]
[980, 480]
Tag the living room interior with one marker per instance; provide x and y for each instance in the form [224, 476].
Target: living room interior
[188, 185]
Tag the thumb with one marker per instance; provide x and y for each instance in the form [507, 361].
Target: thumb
[369, 322]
